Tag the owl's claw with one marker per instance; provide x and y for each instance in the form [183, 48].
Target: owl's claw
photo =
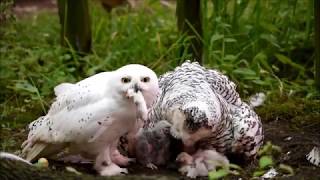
[152, 166]
[175, 133]
[192, 173]
[139, 101]
[184, 169]
[120, 159]
[113, 170]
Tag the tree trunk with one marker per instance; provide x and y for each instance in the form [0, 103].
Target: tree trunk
[75, 25]
[317, 41]
[189, 24]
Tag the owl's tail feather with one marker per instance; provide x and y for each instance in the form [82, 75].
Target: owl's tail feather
[35, 151]
[257, 99]
[42, 149]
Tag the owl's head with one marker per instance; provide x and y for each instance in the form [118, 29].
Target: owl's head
[197, 119]
[140, 78]
[190, 123]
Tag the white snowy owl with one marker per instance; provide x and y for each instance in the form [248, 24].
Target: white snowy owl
[206, 112]
[89, 117]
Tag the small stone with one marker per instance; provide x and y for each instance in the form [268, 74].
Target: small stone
[73, 170]
[288, 138]
[42, 162]
[270, 174]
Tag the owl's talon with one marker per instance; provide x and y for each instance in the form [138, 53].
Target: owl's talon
[120, 159]
[174, 133]
[112, 170]
[152, 166]
[192, 173]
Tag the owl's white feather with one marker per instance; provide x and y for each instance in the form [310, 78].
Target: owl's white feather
[314, 156]
[89, 117]
[206, 112]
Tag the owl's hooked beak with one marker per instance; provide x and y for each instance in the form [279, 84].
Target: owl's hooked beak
[133, 89]
[136, 87]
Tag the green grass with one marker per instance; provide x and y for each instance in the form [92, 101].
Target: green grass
[261, 44]
[256, 44]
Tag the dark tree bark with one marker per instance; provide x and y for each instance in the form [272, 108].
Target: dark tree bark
[317, 41]
[189, 23]
[75, 25]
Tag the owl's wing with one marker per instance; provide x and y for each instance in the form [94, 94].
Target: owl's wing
[219, 82]
[76, 115]
[247, 130]
[71, 96]
[62, 88]
[222, 85]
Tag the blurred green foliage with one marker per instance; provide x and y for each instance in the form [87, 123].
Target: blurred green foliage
[6, 13]
[261, 45]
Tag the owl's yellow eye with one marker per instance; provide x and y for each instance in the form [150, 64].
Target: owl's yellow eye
[145, 79]
[125, 79]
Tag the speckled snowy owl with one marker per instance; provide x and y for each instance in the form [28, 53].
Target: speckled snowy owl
[89, 117]
[206, 112]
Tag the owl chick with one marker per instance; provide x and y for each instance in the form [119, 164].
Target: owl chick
[89, 117]
[153, 145]
[206, 112]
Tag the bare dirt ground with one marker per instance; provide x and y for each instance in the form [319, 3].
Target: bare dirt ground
[295, 144]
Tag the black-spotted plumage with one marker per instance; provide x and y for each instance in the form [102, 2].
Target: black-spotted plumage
[206, 111]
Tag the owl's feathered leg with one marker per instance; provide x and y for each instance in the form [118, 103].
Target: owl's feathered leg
[118, 158]
[105, 166]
